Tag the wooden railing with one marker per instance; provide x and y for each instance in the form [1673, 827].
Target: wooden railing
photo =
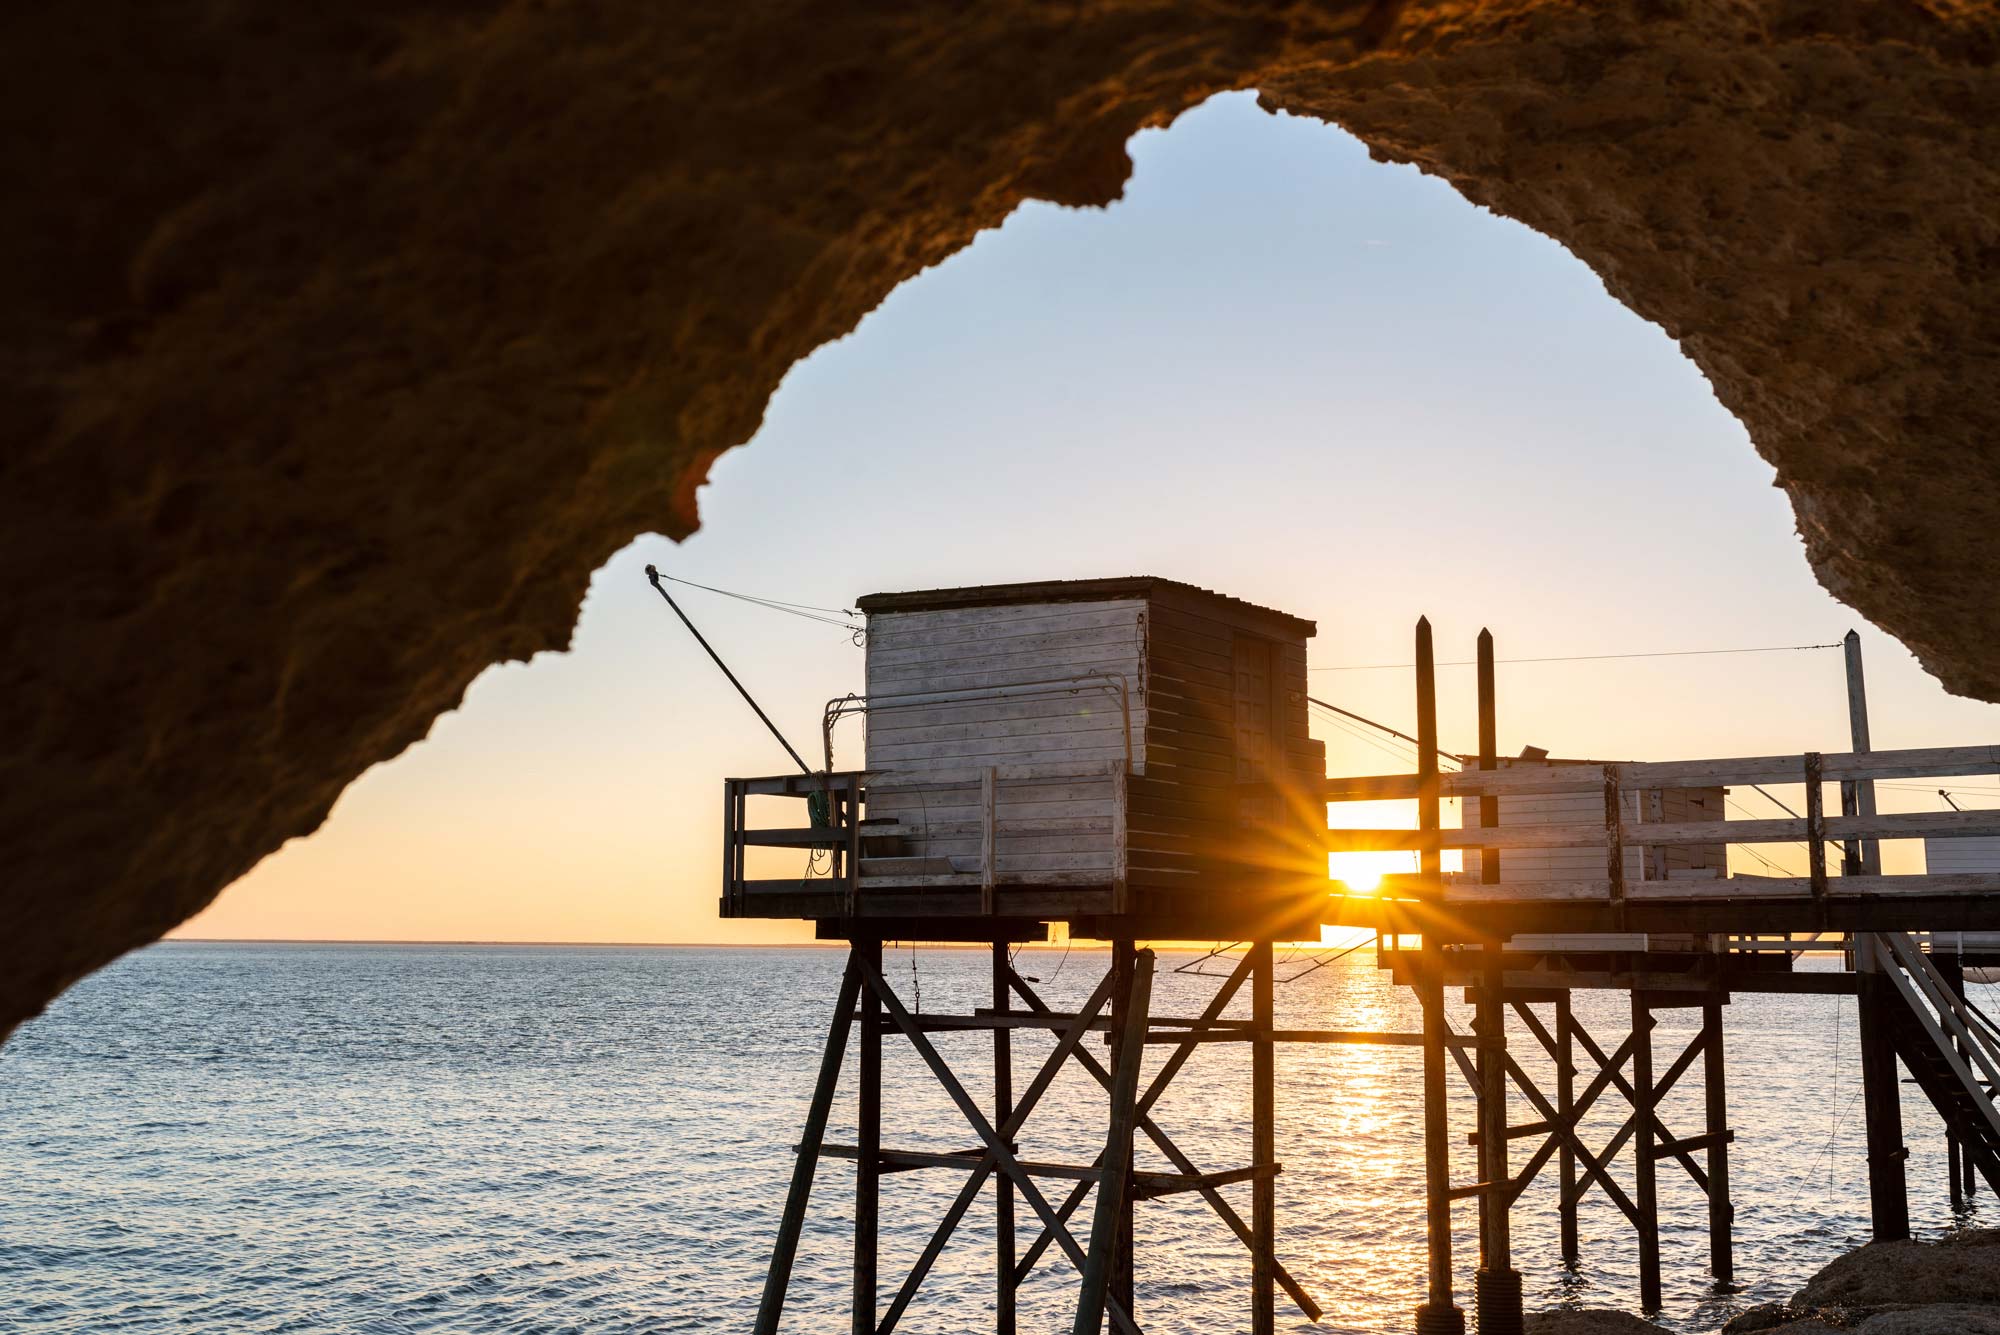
[1615, 834]
[843, 822]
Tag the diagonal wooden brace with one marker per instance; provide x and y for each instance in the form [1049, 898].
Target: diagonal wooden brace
[1180, 1161]
[996, 1148]
[1070, 1036]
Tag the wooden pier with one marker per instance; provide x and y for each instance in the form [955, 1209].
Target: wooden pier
[1130, 758]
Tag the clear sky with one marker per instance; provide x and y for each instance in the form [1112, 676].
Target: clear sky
[1276, 369]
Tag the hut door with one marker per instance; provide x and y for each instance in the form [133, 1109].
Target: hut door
[1256, 726]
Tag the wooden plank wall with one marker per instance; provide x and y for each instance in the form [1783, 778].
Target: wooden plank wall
[1185, 822]
[1058, 825]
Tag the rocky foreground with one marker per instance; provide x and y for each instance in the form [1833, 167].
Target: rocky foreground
[1951, 1287]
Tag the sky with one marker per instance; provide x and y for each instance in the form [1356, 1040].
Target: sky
[1276, 369]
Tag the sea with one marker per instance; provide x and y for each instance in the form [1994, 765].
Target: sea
[405, 1139]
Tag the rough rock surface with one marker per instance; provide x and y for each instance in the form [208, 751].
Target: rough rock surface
[1948, 1287]
[340, 344]
[1962, 1268]
[1590, 1321]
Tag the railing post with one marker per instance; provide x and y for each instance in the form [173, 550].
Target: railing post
[989, 842]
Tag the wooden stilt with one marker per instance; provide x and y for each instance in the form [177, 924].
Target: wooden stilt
[792, 1222]
[1721, 1210]
[1113, 1193]
[1497, 1286]
[1004, 1319]
[1438, 1315]
[1881, 1094]
[1263, 1144]
[868, 1142]
[1123, 964]
[1565, 1108]
[1645, 1185]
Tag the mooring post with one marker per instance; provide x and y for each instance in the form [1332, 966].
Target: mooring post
[1645, 1184]
[1003, 1186]
[791, 1223]
[868, 1148]
[1113, 1186]
[1566, 1109]
[1263, 1144]
[1438, 1315]
[1721, 1209]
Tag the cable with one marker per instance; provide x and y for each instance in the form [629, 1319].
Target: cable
[849, 612]
[1380, 727]
[655, 577]
[1583, 658]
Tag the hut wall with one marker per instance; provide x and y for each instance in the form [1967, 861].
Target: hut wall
[1225, 705]
[1060, 823]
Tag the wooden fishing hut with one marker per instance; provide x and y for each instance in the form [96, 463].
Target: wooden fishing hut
[1130, 758]
[1127, 757]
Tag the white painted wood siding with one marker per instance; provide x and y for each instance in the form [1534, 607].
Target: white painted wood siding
[1977, 853]
[1587, 864]
[981, 649]
[986, 660]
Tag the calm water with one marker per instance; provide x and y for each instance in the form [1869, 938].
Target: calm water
[482, 1139]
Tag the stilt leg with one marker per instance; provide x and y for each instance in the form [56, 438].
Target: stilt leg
[1645, 1186]
[1565, 1106]
[779, 1277]
[1497, 1286]
[1721, 1210]
[1439, 1315]
[1123, 964]
[1881, 1095]
[1003, 1188]
[1113, 1197]
[868, 1142]
[1264, 1145]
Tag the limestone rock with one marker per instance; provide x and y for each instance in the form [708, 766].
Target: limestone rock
[1590, 1321]
[1964, 1268]
[338, 348]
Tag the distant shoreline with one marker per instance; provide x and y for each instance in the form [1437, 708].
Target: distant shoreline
[594, 945]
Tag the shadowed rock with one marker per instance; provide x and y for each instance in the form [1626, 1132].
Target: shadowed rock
[340, 346]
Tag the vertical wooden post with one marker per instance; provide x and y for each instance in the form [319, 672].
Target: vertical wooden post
[1565, 1107]
[1857, 723]
[1263, 1144]
[1645, 1185]
[1438, 1315]
[1124, 964]
[1881, 1092]
[792, 1222]
[1497, 1287]
[1489, 759]
[1721, 1209]
[1113, 1193]
[1957, 1156]
[1003, 1186]
[868, 1148]
[989, 841]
